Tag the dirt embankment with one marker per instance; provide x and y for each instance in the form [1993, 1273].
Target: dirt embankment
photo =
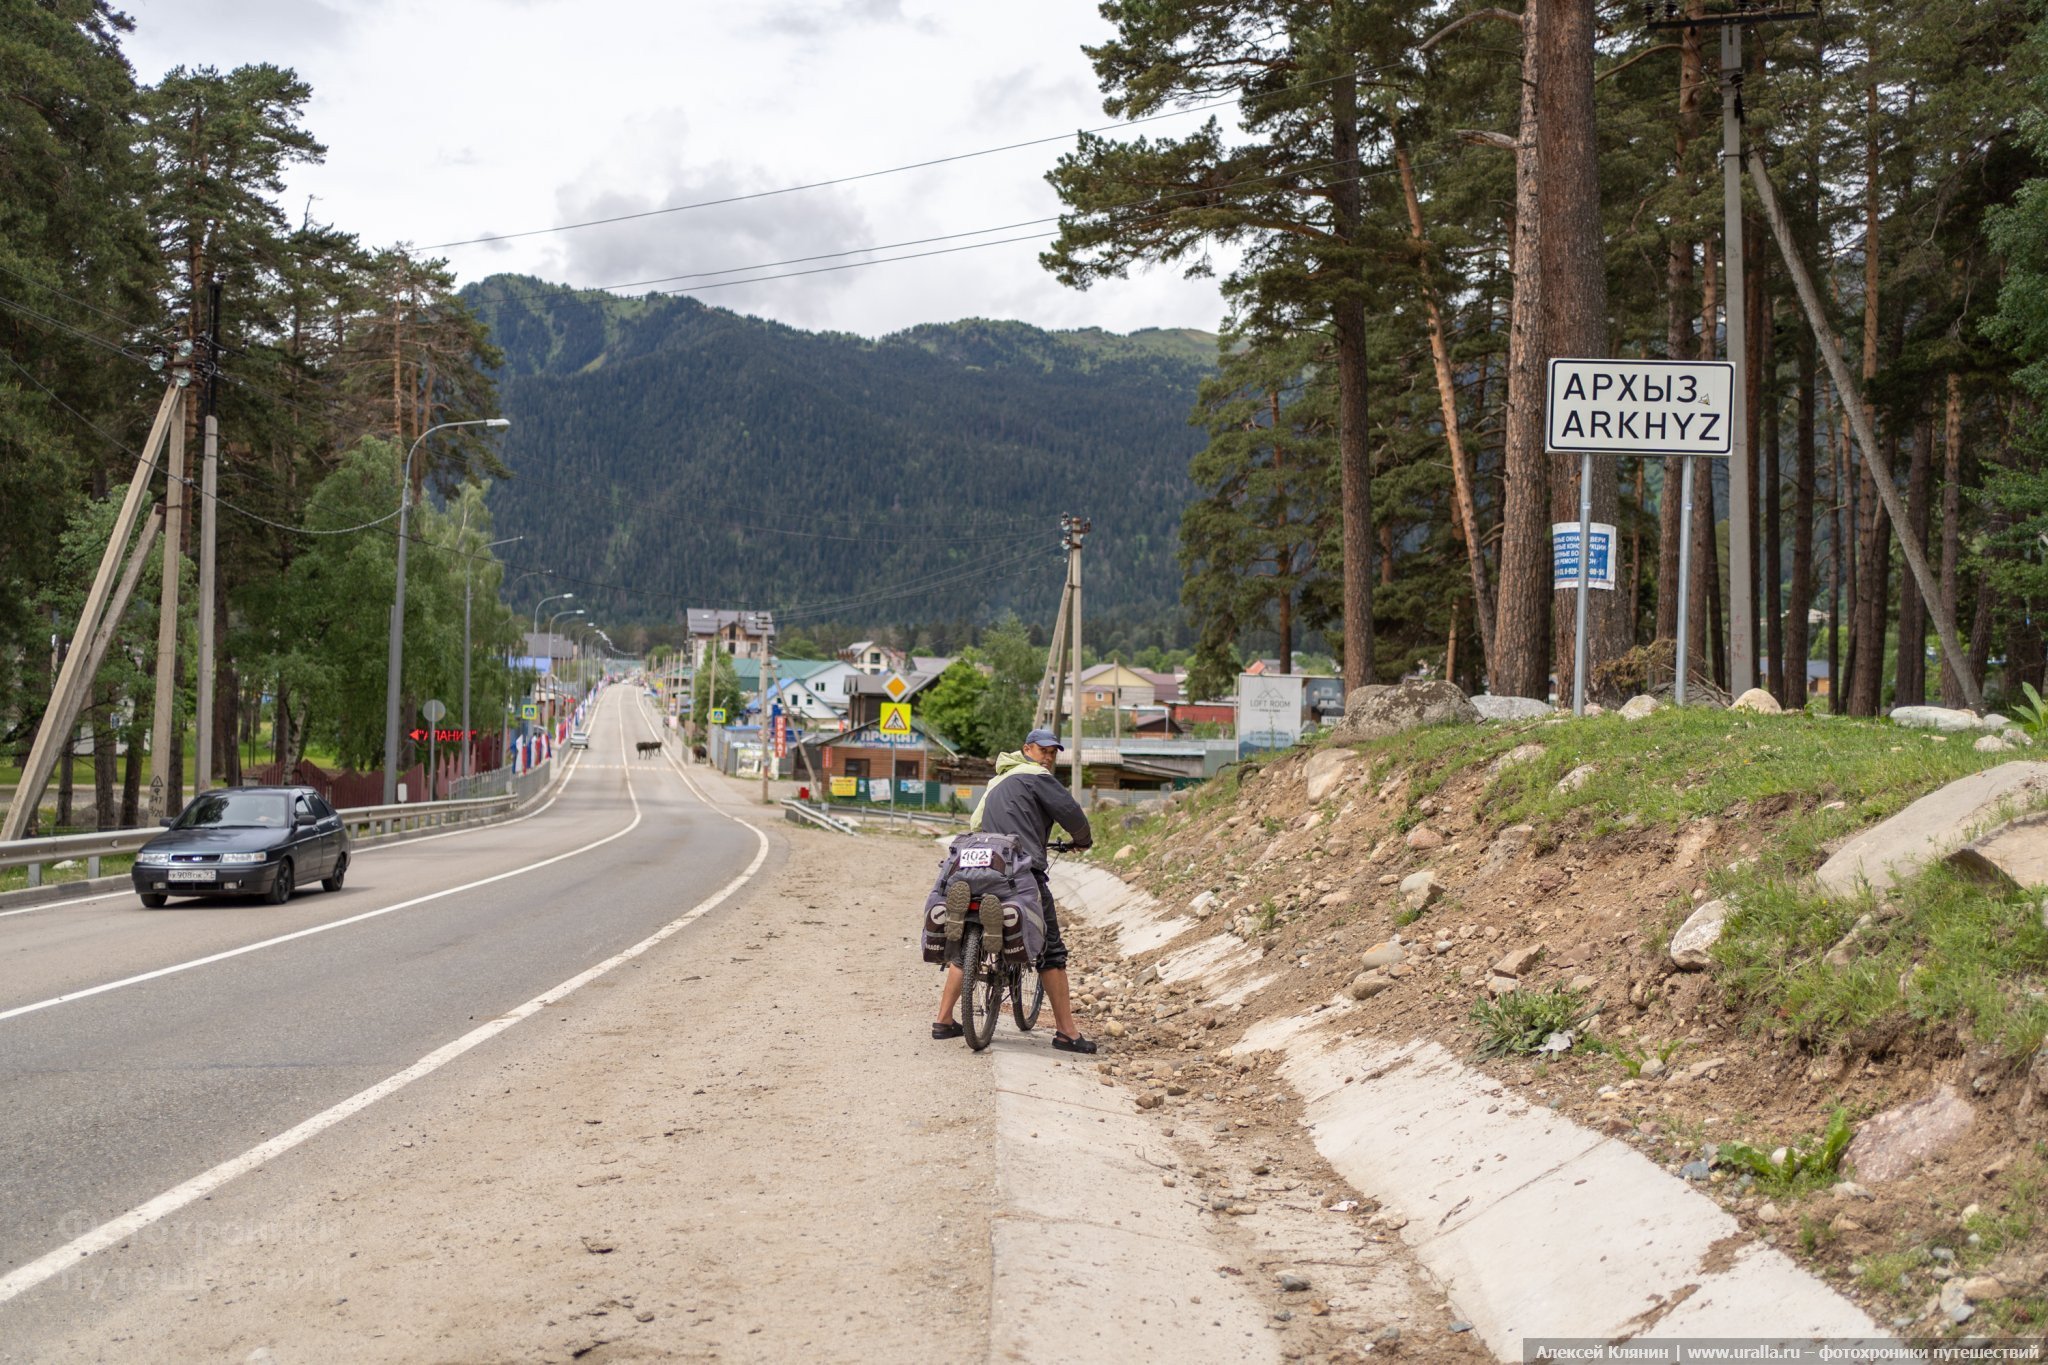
[1313, 862]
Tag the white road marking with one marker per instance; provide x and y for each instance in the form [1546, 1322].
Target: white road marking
[223, 956]
[117, 1230]
[569, 771]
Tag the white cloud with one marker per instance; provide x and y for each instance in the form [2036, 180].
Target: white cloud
[465, 118]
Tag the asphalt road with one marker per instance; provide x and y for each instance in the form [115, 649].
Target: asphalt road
[110, 1099]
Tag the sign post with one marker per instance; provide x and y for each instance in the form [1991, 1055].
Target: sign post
[1636, 407]
[433, 710]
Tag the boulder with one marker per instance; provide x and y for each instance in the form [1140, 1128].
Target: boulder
[1575, 779]
[1519, 961]
[1382, 955]
[1506, 847]
[1934, 718]
[1893, 1143]
[1327, 768]
[1204, 903]
[1521, 753]
[1377, 713]
[1993, 722]
[1366, 985]
[1639, 708]
[1126, 853]
[1491, 707]
[1422, 838]
[1930, 828]
[1419, 889]
[1692, 946]
[1759, 701]
[2013, 857]
[1990, 744]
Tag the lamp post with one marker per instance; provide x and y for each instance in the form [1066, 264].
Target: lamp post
[395, 653]
[468, 591]
[572, 611]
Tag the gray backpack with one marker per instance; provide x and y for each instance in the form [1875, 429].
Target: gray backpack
[991, 864]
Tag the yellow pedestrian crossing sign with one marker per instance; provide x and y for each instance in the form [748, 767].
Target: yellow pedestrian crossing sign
[718, 715]
[896, 720]
[529, 711]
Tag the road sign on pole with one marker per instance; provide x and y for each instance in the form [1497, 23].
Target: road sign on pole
[896, 720]
[1636, 407]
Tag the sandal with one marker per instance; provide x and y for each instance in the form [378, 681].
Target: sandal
[947, 1030]
[1062, 1043]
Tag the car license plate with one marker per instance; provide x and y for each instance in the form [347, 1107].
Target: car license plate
[191, 874]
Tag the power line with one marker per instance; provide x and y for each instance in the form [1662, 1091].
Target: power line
[821, 184]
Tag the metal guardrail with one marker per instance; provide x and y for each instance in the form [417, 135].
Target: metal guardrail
[363, 822]
[798, 810]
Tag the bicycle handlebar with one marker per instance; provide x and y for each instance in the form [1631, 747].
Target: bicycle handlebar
[1059, 846]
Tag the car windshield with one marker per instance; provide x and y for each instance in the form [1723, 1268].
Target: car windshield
[235, 810]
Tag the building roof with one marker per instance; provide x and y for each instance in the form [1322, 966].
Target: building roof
[546, 646]
[931, 664]
[711, 620]
[796, 670]
[872, 731]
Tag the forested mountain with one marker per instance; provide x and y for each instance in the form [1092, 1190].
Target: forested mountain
[665, 453]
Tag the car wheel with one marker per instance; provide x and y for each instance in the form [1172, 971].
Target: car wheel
[333, 883]
[281, 889]
[154, 900]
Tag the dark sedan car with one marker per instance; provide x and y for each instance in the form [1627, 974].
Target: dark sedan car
[245, 841]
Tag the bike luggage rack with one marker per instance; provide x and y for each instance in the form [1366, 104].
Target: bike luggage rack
[798, 811]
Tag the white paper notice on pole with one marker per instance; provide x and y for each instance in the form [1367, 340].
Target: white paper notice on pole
[1640, 407]
[1564, 556]
[1268, 711]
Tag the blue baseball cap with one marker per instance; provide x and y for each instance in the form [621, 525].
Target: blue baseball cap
[1045, 739]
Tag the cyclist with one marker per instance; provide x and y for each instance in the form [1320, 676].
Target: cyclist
[1025, 800]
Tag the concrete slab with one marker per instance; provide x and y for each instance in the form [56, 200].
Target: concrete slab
[1212, 958]
[1095, 1258]
[1932, 827]
[1535, 1225]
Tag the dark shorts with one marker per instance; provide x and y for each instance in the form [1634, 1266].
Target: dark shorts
[1054, 958]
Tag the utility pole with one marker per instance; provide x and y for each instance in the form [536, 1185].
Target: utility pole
[163, 781]
[1741, 493]
[1077, 529]
[1866, 438]
[761, 721]
[75, 673]
[209, 529]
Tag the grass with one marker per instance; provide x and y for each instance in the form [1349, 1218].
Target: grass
[1681, 764]
[1521, 1022]
[1944, 951]
[1807, 1165]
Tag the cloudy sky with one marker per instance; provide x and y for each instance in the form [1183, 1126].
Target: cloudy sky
[454, 119]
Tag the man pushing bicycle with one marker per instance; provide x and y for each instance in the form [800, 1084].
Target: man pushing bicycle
[1027, 802]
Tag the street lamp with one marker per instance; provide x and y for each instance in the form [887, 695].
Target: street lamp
[468, 590]
[394, 654]
[558, 597]
[573, 611]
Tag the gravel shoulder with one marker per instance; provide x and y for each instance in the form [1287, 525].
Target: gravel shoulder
[739, 1147]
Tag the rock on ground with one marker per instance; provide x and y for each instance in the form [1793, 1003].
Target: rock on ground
[1934, 718]
[1418, 889]
[1929, 828]
[1327, 768]
[1637, 708]
[1377, 713]
[1692, 945]
[1757, 700]
[1576, 778]
[2013, 857]
[1491, 707]
[1893, 1143]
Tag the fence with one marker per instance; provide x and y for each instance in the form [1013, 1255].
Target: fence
[363, 822]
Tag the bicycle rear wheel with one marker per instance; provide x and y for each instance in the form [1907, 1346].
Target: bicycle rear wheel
[981, 994]
[1027, 996]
